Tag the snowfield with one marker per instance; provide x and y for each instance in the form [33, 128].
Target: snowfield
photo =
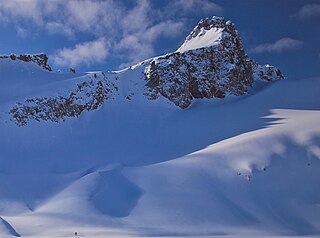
[129, 166]
[234, 167]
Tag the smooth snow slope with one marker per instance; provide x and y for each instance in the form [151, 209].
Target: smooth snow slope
[232, 167]
[205, 38]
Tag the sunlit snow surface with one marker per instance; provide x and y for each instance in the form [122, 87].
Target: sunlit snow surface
[205, 38]
[238, 167]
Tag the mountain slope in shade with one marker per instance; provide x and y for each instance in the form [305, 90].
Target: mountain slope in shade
[101, 175]
[133, 167]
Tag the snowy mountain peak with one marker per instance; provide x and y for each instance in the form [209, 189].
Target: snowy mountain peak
[208, 32]
[211, 63]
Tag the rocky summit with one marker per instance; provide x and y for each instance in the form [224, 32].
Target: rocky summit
[211, 63]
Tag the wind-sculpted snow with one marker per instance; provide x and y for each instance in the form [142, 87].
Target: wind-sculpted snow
[6, 228]
[237, 168]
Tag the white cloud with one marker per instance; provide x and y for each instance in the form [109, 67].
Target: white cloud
[74, 15]
[17, 9]
[140, 31]
[96, 17]
[166, 28]
[139, 45]
[21, 32]
[204, 6]
[132, 49]
[309, 10]
[59, 28]
[137, 18]
[284, 44]
[86, 53]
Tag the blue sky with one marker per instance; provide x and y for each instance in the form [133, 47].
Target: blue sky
[111, 34]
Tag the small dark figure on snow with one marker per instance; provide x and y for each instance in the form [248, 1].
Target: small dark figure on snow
[72, 71]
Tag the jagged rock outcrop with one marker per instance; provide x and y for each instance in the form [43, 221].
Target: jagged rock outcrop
[39, 59]
[88, 95]
[206, 70]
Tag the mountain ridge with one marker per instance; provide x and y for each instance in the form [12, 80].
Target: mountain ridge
[40, 59]
[207, 69]
[215, 67]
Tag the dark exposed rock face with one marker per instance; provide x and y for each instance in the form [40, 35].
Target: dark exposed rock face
[210, 72]
[89, 95]
[39, 59]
